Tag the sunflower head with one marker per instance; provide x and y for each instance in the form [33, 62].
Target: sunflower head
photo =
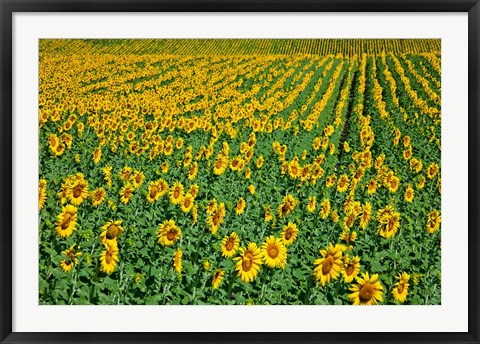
[367, 290]
[249, 262]
[329, 266]
[274, 252]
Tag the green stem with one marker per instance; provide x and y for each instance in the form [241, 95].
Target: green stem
[262, 295]
[230, 286]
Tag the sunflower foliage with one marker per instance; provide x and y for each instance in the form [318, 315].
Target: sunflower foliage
[251, 172]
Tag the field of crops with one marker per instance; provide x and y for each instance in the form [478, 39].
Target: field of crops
[239, 172]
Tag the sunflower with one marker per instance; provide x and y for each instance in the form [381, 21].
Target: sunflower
[164, 167]
[287, 206]
[433, 221]
[193, 171]
[211, 206]
[248, 173]
[187, 203]
[330, 265]
[330, 181]
[97, 155]
[168, 233]
[137, 179]
[220, 165]
[372, 187]
[251, 189]
[249, 263]
[42, 193]
[365, 215]
[348, 236]
[72, 254]
[325, 208]
[409, 194]
[66, 265]
[98, 195]
[351, 269]
[400, 289]
[125, 173]
[342, 185]
[393, 184]
[367, 291]
[53, 142]
[240, 208]
[230, 244]
[421, 183]
[259, 162]
[154, 191]
[126, 193]
[195, 214]
[217, 278]
[78, 191]
[312, 202]
[109, 257]
[66, 221]
[107, 175]
[335, 216]
[432, 170]
[176, 193]
[111, 231]
[193, 190]
[177, 261]
[389, 224]
[206, 265]
[274, 252]
[216, 218]
[289, 233]
[294, 169]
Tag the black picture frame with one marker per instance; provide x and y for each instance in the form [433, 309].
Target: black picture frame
[8, 7]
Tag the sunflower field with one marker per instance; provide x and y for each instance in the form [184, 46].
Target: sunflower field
[264, 172]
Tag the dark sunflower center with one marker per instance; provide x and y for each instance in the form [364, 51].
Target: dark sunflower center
[172, 233]
[66, 221]
[216, 219]
[247, 262]
[186, 203]
[288, 234]
[350, 269]
[229, 244]
[108, 257]
[153, 191]
[127, 193]
[68, 263]
[77, 191]
[366, 293]
[273, 251]
[400, 288]
[112, 232]
[176, 193]
[218, 164]
[327, 265]
[138, 178]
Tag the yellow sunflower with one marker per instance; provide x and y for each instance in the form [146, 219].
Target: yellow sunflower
[389, 225]
[249, 263]
[72, 254]
[433, 221]
[217, 278]
[78, 191]
[168, 233]
[137, 179]
[98, 195]
[409, 194]
[42, 193]
[66, 221]
[97, 154]
[274, 252]
[193, 171]
[289, 233]
[126, 193]
[111, 231]
[193, 190]
[365, 215]
[240, 208]
[400, 289]
[187, 203]
[312, 203]
[177, 261]
[109, 257]
[367, 291]
[230, 244]
[432, 170]
[251, 189]
[176, 193]
[330, 265]
[287, 206]
[154, 191]
[351, 269]
[342, 185]
[325, 208]
[220, 165]
[216, 218]
[372, 187]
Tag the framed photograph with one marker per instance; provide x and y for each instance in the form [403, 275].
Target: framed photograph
[263, 171]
